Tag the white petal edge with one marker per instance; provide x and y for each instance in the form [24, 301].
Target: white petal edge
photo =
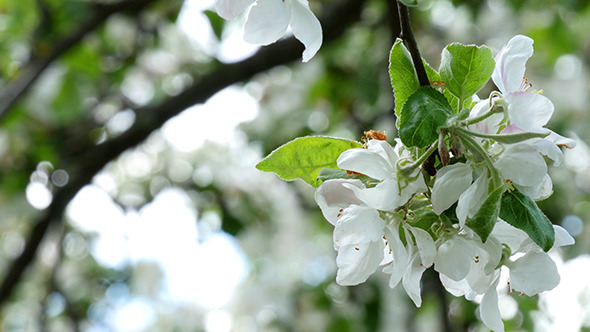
[425, 245]
[306, 28]
[562, 237]
[358, 224]
[529, 110]
[267, 22]
[332, 196]
[411, 280]
[451, 181]
[522, 164]
[401, 257]
[489, 310]
[533, 273]
[230, 9]
[357, 262]
[511, 62]
[472, 198]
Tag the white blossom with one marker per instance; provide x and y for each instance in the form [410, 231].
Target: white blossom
[358, 231]
[268, 21]
[378, 161]
[408, 262]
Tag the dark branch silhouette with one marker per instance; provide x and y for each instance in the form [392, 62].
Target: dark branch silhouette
[10, 94]
[407, 35]
[90, 159]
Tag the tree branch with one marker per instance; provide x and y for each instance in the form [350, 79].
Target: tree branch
[84, 165]
[407, 35]
[10, 94]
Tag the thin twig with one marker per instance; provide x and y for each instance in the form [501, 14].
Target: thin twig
[407, 35]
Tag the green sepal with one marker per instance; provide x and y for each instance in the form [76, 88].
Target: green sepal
[304, 157]
[523, 213]
[425, 111]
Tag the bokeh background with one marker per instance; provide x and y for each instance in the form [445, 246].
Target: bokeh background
[129, 132]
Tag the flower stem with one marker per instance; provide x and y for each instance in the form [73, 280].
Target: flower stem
[493, 110]
[478, 150]
[420, 160]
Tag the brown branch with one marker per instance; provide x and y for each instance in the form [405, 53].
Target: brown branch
[83, 166]
[10, 94]
[407, 35]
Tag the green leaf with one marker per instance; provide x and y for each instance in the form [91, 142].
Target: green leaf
[304, 157]
[409, 2]
[523, 213]
[485, 218]
[423, 113]
[403, 75]
[432, 74]
[454, 102]
[465, 69]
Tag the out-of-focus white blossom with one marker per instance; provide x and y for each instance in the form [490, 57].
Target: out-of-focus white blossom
[268, 21]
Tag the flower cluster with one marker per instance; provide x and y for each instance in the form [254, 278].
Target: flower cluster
[472, 221]
[268, 21]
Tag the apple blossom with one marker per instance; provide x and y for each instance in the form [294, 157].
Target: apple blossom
[378, 161]
[268, 21]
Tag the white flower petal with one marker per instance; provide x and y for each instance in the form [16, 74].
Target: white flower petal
[509, 235]
[451, 181]
[529, 110]
[549, 149]
[332, 197]
[539, 190]
[454, 258]
[489, 125]
[510, 63]
[230, 9]
[522, 164]
[491, 254]
[357, 262]
[425, 245]
[306, 28]
[401, 256]
[385, 196]
[533, 273]
[411, 280]
[561, 140]
[472, 198]
[375, 161]
[267, 22]
[489, 310]
[457, 288]
[562, 237]
[358, 224]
